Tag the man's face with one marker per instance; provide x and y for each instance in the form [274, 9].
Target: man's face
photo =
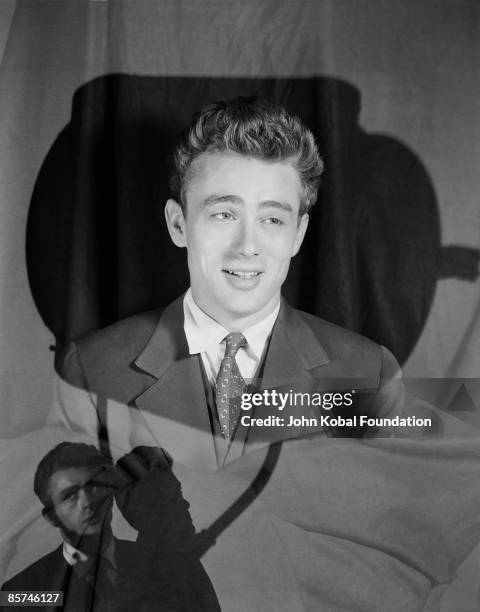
[241, 229]
[81, 499]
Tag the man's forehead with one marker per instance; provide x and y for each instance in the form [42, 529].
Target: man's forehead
[217, 176]
[211, 160]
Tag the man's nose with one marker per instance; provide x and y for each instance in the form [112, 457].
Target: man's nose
[247, 243]
[85, 498]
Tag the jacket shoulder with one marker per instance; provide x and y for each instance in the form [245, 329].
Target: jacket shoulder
[103, 361]
[339, 341]
[350, 354]
[45, 574]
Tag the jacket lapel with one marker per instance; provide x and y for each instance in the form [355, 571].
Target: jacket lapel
[174, 407]
[293, 352]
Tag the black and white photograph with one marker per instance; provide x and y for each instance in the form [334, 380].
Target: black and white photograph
[240, 305]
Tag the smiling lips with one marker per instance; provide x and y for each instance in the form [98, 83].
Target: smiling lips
[242, 273]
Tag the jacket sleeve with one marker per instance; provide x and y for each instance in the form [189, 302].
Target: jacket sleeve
[80, 410]
[390, 397]
[69, 367]
[74, 406]
[397, 396]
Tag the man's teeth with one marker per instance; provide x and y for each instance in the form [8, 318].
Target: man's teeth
[242, 274]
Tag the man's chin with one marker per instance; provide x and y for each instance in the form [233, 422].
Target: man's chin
[92, 530]
[243, 304]
[236, 306]
[88, 540]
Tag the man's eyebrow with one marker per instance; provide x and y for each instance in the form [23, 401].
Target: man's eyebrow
[219, 199]
[275, 204]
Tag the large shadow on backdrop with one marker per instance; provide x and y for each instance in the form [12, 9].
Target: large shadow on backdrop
[98, 248]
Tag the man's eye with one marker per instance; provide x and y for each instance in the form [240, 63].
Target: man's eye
[223, 215]
[273, 221]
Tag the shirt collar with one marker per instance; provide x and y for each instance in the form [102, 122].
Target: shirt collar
[204, 334]
[82, 562]
[75, 557]
[257, 334]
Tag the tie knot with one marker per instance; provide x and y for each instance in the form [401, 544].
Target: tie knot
[233, 342]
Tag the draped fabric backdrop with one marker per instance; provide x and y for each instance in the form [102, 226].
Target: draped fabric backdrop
[92, 95]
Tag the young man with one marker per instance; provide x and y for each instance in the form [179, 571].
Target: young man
[73, 482]
[246, 175]
[97, 571]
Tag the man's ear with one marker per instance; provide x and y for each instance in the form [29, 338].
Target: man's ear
[175, 222]
[301, 229]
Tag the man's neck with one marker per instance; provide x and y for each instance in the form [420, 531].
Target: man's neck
[91, 545]
[238, 323]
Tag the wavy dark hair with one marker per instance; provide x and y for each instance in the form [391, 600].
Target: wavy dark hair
[64, 456]
[253, 127]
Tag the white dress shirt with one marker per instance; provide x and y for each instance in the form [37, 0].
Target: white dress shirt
[82, 562]
[73, 555]
[206, 337]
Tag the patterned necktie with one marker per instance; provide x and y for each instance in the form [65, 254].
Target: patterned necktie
[230, 385]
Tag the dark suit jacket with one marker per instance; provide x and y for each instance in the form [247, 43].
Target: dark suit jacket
[53, 573]
[146, 579]
[143, 362]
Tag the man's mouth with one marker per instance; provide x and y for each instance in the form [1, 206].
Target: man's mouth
[91, 517]
[96, 515]
[242, 273]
